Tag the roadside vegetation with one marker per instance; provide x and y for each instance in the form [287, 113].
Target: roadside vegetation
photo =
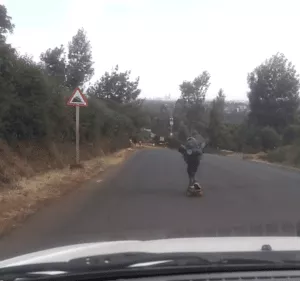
[37, 128]
[268, 127]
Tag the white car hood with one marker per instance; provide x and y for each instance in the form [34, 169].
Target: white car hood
[191, 245]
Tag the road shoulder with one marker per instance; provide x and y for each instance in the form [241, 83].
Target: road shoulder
[32, 194]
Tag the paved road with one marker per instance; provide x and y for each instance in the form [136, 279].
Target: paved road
[145, 199]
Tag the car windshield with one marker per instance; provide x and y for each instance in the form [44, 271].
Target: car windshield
[161, 132]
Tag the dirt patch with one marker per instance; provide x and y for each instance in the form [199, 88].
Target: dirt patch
[151, 146]
[28, 194]
[147, 145]
[257, 156]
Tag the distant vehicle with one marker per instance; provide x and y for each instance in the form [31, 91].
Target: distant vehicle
[162, 141]
[159, 140]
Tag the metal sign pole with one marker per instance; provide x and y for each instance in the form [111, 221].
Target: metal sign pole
[171, 126]
[77, 135]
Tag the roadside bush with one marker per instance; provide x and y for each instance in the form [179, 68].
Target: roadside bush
[250, 149]
[269, 138]
[277, 155]
[33, 95]
[289, 154]
[252, 139]
[144, 136]
[291, 134]
[183, 132]
[228, 137]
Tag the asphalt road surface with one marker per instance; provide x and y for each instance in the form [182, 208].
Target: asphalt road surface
[145, 199]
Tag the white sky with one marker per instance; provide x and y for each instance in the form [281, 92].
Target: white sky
[166, 41]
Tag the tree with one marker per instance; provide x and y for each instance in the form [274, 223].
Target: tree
[194, 92]
[120, 93]
[55, 63]
[183, 132]
[32, 95]
[193, 97]
[116, 86]
[8, 95]
[215, 128]
[179, 114]
[164, 120]
[219, 104]
[25, 112]
[6, 26]
[274, 93]
[230, 138]
[80, 66]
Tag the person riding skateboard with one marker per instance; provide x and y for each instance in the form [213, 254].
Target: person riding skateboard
[192, 151]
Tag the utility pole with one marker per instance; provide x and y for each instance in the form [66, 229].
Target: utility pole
[171, 125]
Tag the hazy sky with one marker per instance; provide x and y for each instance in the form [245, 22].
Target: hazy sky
[166, 41]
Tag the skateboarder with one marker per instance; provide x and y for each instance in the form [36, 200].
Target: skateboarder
[192, 152]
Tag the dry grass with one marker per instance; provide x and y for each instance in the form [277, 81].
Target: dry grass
[248, 157]
[12, 165]
[280, 153]
[28, 194]
[26, 159]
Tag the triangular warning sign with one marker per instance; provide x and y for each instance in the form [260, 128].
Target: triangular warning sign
[77, 99]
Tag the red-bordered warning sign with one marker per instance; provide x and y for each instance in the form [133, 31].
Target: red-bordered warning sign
[77, 99]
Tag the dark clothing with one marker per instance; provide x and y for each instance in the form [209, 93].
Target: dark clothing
[192, 153]
[192, 165]
[191, 150]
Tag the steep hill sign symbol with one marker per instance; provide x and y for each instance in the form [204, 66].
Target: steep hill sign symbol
[77, 99]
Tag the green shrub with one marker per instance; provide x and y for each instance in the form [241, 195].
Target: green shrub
[291, 134]
[269, 138]
[289, 154]
[277, 155]
[252, 139]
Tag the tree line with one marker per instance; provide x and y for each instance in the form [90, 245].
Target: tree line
[33, 101]
[33, 94]
[273, 117]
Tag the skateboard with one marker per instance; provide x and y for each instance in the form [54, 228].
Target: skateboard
[193, 192]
